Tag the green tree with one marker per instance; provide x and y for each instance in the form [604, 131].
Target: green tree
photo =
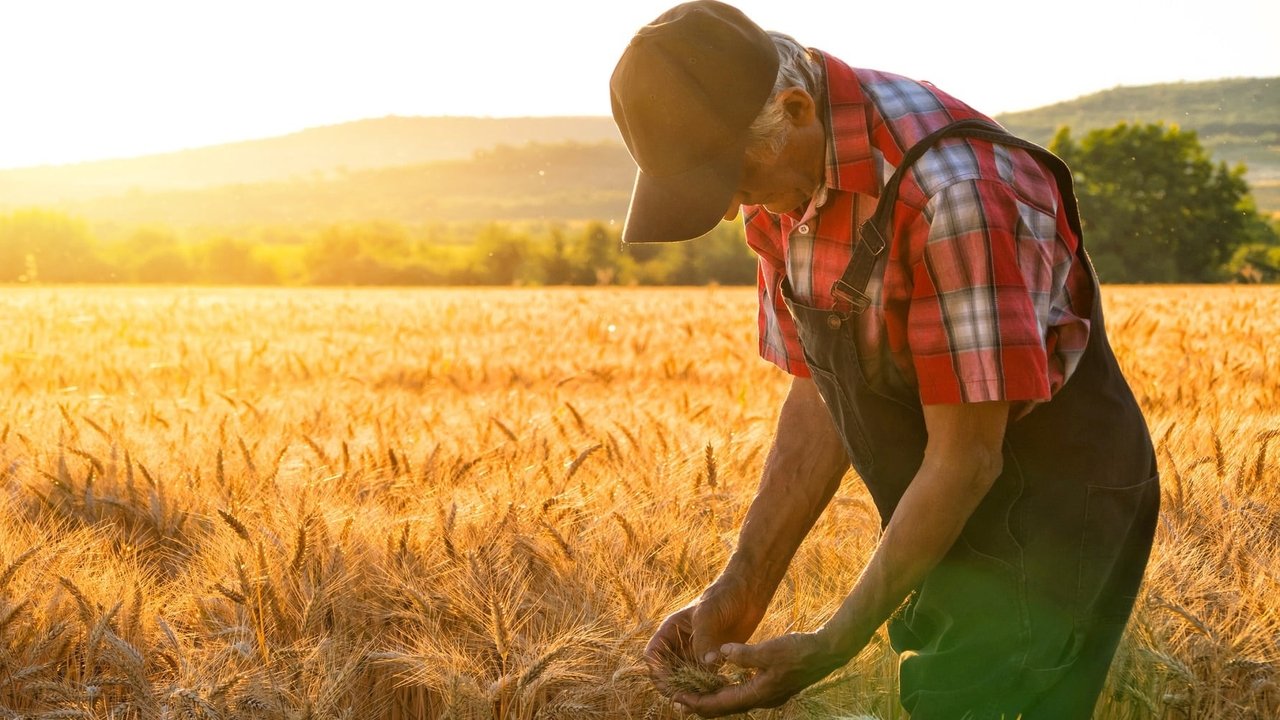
[230, 260]
[725, 256]
[153, 255]
[720, 256]
[1256, 262]
[47, 246]
[596, 255]
[1155, 207]
[557, 268]
[357, 254]
[164, 265]
[500, 254]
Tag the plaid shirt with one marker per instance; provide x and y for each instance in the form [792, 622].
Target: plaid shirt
[980, 295]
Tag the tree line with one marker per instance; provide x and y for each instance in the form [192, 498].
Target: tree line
[47, 246]
[1155, 207]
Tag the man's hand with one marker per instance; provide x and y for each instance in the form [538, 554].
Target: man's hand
[802, 472]
[727, 612]
[961, 461]
[783, 667]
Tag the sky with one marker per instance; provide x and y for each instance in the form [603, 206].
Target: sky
[93, 79]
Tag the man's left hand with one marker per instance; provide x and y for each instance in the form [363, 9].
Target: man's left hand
[782, 667]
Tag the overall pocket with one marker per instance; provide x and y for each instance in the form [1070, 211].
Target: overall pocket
[963, 639]
[846, 418]
[1114, 546]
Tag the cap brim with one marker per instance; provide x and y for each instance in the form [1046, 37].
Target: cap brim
[686, 205]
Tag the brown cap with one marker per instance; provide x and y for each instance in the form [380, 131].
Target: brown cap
[684, 94]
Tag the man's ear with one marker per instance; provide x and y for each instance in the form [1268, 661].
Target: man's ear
[799, 105]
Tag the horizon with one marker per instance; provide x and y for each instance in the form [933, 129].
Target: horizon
[145, 78]
[262, 138]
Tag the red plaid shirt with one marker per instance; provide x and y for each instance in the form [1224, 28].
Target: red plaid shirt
[980, 295]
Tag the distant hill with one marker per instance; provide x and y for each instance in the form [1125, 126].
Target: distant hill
[311, 153]
[1237, 120]
[463, 169]
[564, 181]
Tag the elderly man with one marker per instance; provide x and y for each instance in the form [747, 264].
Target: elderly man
[921, 275]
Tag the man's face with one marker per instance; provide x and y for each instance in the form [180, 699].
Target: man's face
[775, 182]
[785, 180]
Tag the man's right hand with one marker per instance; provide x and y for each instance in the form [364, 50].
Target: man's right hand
[726, 613]
[801, 473]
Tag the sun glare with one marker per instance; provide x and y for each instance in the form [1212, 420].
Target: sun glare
[87, 80]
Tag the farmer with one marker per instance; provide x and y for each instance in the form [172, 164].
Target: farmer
[922, 278]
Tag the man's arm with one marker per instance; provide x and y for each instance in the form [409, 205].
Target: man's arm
[801, 473]
[962, 460]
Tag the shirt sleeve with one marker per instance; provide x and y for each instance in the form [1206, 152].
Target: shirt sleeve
[779, 338]
[972, 325]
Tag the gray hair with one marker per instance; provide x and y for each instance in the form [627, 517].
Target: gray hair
[797, 67]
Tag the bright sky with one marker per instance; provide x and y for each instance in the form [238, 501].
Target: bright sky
[91, 79]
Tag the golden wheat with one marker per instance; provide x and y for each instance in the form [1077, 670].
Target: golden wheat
[225, 503]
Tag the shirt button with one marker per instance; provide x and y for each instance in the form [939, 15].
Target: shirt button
[803, 229]
[833, 321]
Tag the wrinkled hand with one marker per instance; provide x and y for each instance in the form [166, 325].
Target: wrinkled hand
[726, 613]
[782, 667]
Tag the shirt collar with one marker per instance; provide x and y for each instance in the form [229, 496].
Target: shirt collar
[851, 166]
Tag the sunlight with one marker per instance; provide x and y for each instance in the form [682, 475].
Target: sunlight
[96, 80]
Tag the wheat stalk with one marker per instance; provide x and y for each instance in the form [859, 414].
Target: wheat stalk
[235, 524]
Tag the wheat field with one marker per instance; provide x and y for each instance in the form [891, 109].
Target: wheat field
[245, 503]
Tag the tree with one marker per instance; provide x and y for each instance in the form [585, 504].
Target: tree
[725, 256]
[1155, 207]
[500, 254]
[357, 254]
[47, 246]
[154, 255]
[230, 260]
[720, 256]
[597, 255]
[557, 269]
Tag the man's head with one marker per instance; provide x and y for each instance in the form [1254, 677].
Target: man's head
[698, 100]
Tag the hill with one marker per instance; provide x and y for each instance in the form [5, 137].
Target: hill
[309, 154]
[1237, 120]
[466, 169]
[536, 181]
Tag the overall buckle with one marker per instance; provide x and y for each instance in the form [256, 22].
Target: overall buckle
[869, 235]
[855, 298]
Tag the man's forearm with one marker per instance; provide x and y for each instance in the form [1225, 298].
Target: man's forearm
[952, 480]
[801, 474]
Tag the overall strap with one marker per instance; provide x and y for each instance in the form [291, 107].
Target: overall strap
[872, 234]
